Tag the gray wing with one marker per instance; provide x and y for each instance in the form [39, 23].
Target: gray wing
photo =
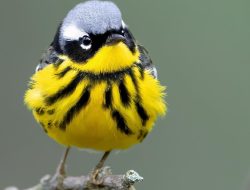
[49, 57]
[146, 61]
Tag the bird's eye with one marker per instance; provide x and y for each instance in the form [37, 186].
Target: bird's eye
[86, 42]
[122, 32]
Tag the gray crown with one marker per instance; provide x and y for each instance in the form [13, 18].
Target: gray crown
[96, 17]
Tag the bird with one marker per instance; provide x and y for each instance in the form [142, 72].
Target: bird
[95, 87]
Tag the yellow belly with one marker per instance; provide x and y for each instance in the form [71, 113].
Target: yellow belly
[94, 125]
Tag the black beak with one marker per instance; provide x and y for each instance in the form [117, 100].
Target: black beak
[114, 39]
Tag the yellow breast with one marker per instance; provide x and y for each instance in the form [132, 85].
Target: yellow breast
[86, 108]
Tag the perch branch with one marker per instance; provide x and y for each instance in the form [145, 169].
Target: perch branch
[110, 182]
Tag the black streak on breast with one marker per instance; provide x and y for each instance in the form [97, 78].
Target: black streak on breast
[120, 121]
[124, 94]
[82, 102]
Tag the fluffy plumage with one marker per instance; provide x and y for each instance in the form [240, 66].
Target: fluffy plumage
[105, 97]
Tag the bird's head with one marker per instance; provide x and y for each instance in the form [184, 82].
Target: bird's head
[95, 38]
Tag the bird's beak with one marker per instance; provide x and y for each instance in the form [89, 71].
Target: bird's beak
[114, 39]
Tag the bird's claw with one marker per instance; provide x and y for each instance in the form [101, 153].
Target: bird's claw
[58, 178]
[57, 181]
[97, 176]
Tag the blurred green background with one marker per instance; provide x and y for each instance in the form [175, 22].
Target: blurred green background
[202, 51]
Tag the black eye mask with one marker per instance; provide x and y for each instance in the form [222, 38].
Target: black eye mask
[74, 50]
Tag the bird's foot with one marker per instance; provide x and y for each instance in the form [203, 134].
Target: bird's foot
[57, 180]
[97, 175]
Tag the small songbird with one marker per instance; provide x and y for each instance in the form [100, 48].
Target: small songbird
[95, 87]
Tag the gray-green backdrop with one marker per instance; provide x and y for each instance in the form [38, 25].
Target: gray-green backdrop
[202, 51]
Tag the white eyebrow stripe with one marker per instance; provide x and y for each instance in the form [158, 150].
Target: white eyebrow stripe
[71, 32]
[124, 25]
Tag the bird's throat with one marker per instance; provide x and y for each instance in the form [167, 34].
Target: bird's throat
[109, 59]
